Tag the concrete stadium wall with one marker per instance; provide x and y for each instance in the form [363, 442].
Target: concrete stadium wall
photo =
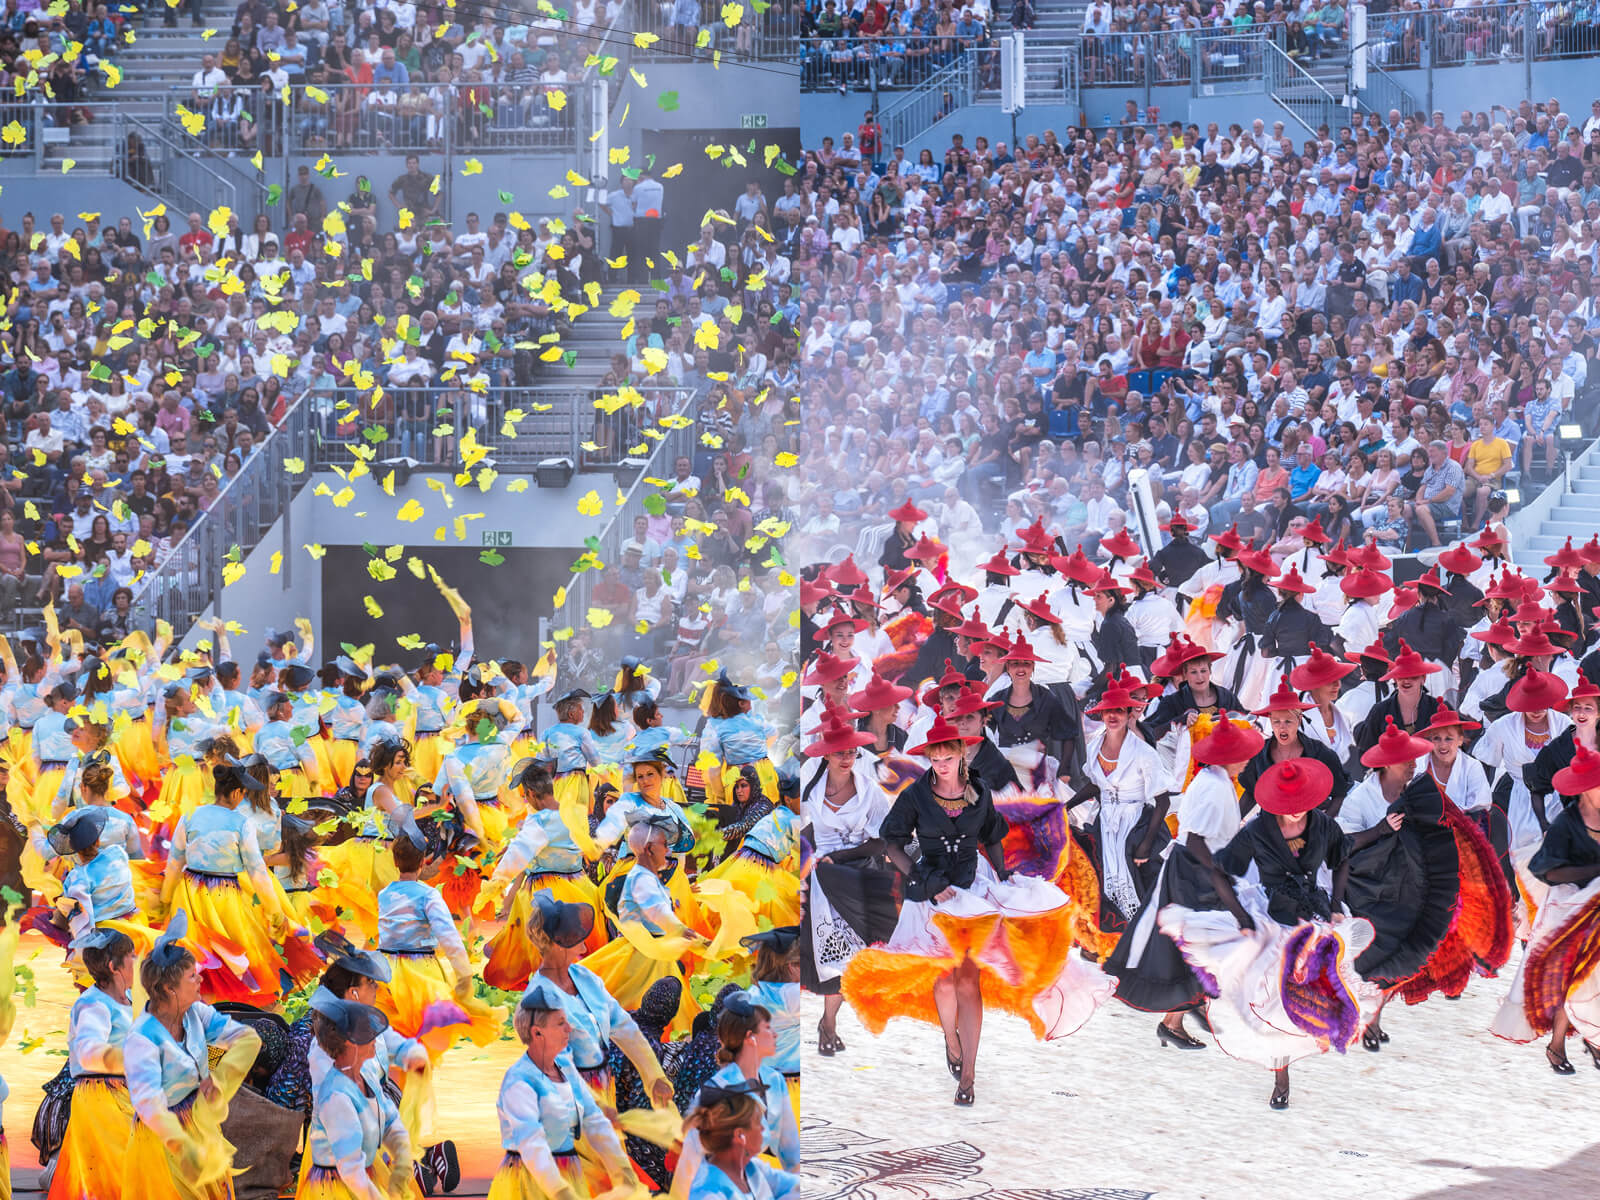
[22, 191]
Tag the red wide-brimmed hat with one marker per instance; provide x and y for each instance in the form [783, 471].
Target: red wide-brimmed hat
[1502, 633]
[1535, 643]
[962, 593]
[1369, 556]
[926, 550]
[1138, 688]
[829, 668]
[1580, 775]
[999, 565]
[1115, 699]
[1489, 539]
[1039, 606]
[841, 618]
[1107, 582]
[1178, 524]
[1319, 670]
[1230, 742]
[1021, 652]
[1143, 576]
[1430, 579]
[949, 604]
[879, 693]
[1444, 717]
[1183, 650]
[1375, 652]
[893, 581]
[1314, 534]
[846, 574]
[971, 628]
[1535, 692]
[1258, 561]
[907, 512]
[943, 731]
[1229, 538]
[1293, 787]
[1076, 567]
[813, 593]
[1587, 689]
[1565, 559]
[1502, 586]
[1395, 746]
[836, 734]
[1291, 582]
[1034, 539]
[1365, 585]
[1285, 699]
[951, 676]
[999, 642]
[1405, 599]
[1338, 556]
[1408, 664]
[1591, 551]
[1120, 545]
[1458, 560]
[971, 701]
[1564, 584]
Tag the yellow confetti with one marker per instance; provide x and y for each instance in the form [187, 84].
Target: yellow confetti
[411, 510]
[598, 618]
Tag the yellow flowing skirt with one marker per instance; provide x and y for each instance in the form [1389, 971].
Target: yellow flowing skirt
[135, 747]
[513, 1181]
[605, 773]
[364, 867]
[323, 1183]
[421, 1003]
[294, 784]
[157, 1177]
[91, 1162]
[773, 890]
[342, 756]
[510, 957]
[574, 795]
[43, 796]
[239, 959]
[631, 964]
[427, 755]
[184, 788]
[5, 1168]
[321, 750]
[683, 897]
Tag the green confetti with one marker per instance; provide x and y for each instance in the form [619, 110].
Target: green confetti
[667, 102]
[491, 558]
[274, 193]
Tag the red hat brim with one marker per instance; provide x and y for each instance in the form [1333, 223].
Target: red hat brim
[1293, 787]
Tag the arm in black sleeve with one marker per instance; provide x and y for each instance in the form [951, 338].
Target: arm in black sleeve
[1196, 845]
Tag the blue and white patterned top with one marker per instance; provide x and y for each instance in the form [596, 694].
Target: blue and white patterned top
[572, 746]
[613, 747]
[347, 718]
[390, 1051]
[69, 793]
[96, 1033]
[431, 704]
[596, 1019]
[782, 1000]
[413, 918]
[184, 735]
[627, 810]
[51, 741]
[213, 840]
[738, 739]
[655, 739]
[776, 835]
[542, 846]
[476, 770]
[349, 1126]
[162, 1071]
[276, 744]
[762, 1181]
[644, 899]
[248, 707]
[541, 1118]
[777, 1118]
[103, 888]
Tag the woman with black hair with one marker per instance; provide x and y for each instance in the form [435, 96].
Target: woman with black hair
[1248, 604]
[1286, 713]
[1115, 643]
[179, 1095]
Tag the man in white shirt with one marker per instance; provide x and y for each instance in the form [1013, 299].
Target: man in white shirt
[206, 81]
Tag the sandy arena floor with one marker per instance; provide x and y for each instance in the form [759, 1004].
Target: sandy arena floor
[1109, 1114]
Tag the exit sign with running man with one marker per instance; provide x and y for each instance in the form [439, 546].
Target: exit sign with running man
[753, 121]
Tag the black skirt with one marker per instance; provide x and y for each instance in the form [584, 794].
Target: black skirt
[865, 896]
[1112, 919]
[1163, 981]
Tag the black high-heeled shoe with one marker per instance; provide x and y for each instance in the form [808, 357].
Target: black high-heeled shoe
[953, 1064]
[964, 1096]
[1372, 1039]
[1558, 1061]
[827, 1044]
[1594, 1053]
[1168, 1036]
[1280, 1097]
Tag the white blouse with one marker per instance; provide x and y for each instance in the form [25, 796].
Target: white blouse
[857, 821]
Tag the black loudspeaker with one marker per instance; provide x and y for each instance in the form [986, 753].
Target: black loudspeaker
[553, 473]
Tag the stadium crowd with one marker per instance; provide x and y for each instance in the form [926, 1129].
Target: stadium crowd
[1372, 328]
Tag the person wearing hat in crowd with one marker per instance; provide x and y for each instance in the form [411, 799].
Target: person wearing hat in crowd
[838, 638]
[1551, 991]
[1245, 607]
[98, 892]
[1410, 706]
[1362, 621]
[1153, 615]
[546, 1110]
[1456, 567]
[1292, 629]
[970, 712]
[1431, 629]
[1493, 677]
[94, 1149]
[415, 930]
[52, 747]
[962, 878]
[357, 1145]
[1114, 641]
[850, 890]
[179, 1093]
[728, 1124]
[1289, 739]
[1151, 973]
[467, 814]
[775, 986]
[879, 704]
[1196, 694]
[1176, 563]
[762, 846]
[902, 537]
[287, 754]
[1061, 667]
[1320, 678]
[1273, 923]
[825, 684]
[1131, 790]
[344, 713]
[1456, 773]
[1032, 726]
[737, 736]
[249, 942]
[1582, 708]
[295, 680]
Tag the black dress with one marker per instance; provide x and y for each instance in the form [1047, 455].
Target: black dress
[1566, 844]
[1175, 562]
[1432, 630]
[949, 846]
[1309, 748]
[1288, 878]
[929, 663]
[1115, 643]
[1406, 883]
[1370, 730]
[1291, 630]
[1171, 707]
[993, 768]
[895, 546]
[1046, 720]
[1540, 774]
[1163, 981]
[864, 892]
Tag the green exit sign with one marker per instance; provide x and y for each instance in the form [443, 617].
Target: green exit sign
[497, 537]
[753, 121]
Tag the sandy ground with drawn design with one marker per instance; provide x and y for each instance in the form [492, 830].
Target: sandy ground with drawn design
[1446, 1108]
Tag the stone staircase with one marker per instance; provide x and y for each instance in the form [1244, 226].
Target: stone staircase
[1574, 514]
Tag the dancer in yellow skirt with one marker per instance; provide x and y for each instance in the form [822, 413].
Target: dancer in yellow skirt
[573, 748]
[93, 1154]
[362, 862]
[344, 683]
[305, 719]
[644, 799]
[357, 1145]
[414, 929]
[98, 892]
[287, 751]
[735, 735]
[180, 1098]
[546, 1110]
[653, 939]
[764, 864]
[542, 855]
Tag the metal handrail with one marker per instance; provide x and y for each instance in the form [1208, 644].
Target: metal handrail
[919, 111]
[1292, 86]
[1388, 93]
[220, 188]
